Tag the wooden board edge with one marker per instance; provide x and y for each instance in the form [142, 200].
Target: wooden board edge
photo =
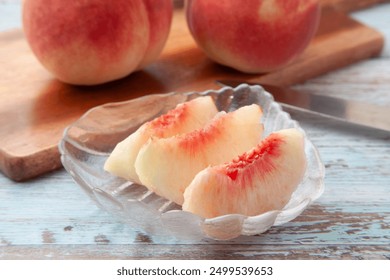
[21, 168]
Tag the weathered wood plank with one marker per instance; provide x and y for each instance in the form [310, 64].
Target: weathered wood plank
[352, 203]
[51, 218]
[214, 252]
[353, 211]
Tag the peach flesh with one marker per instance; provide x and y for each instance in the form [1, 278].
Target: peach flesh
[166, 166]
[259, 157]
[182, 118]
[185, 117]
[260, 180]
[260, 36]
[195, 141]
[169, 120]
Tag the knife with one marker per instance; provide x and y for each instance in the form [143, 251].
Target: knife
[371, 115]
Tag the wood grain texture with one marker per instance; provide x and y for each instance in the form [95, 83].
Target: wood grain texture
[201, 252]
[350, 221]
[32, 121]
[50, 217]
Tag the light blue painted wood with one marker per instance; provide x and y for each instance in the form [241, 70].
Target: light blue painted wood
[50, 217]
[377, 17]
[10, 14]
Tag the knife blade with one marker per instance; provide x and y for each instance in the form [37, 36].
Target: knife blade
[356, 112]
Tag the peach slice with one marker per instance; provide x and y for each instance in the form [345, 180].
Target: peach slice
[167, 166]
[185, 117]
[255, 182]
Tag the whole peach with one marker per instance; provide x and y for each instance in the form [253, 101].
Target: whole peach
[160, 17]
[253, 36]
[88, 42]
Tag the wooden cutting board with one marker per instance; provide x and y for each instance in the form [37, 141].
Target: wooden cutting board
[35, 108]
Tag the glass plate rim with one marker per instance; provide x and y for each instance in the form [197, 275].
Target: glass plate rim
[279, 215]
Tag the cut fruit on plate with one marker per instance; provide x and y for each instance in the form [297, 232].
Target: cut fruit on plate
[167, 166]
[185, 117]
[162, 220]
[253, 183]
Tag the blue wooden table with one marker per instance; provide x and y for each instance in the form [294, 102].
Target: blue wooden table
[50, 217]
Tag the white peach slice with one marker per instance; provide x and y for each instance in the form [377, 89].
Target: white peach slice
[255, 182]
[185, 117]
[167, 166]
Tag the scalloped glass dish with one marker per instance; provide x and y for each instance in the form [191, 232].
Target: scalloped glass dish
[87, 143]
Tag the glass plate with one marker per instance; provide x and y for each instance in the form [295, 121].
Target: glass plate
[87, 143]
